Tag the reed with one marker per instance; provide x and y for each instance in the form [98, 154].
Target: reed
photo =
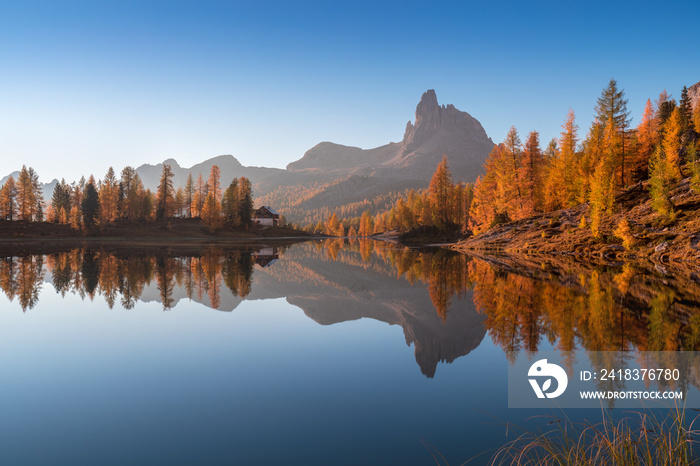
[640, 438]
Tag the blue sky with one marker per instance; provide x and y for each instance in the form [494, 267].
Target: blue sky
[86, 85]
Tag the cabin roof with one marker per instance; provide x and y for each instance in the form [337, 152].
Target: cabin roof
[268, 208]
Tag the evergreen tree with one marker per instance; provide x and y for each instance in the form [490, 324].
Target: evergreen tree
[75, 218]
[561, 186]
[611, 109]
[29, 199]
[440, 190]
[61, 201]
[76, 199]
[147, 203]
[200, 194]
[531, 174]
[647, 137]
[215, 183]
[179, 202]
[38, 210]
[672, 143]
[189, 194]
[489, 201]
[592, 152]
[165, 200]
[567, 153]
[612, 151]
[109, 198]
[661, 179]
[366, 226]
[602, 196]
[25, 195]
[90, 205]
[511, 182]
[245, 209]
[129, 189]
[664, 107]
[8, 199]
[686, 110]
[211, 213]
[230, 203]
[613, 105]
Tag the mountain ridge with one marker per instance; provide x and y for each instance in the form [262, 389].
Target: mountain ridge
[330, 176]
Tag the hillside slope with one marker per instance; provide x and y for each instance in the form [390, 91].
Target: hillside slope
[665, 244]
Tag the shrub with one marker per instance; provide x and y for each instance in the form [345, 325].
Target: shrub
[624, 232]
[500, 218]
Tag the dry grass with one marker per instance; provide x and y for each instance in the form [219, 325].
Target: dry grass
[643, 438]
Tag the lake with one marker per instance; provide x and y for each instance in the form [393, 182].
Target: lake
[329, 352]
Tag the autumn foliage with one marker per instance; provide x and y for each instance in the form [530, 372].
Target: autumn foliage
[96, 203]
[522, 180]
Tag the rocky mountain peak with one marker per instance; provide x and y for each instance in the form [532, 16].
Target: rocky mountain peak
[434, 123]
[427, 118]
[694, 94]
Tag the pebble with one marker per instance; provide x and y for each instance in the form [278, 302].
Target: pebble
[661, 247]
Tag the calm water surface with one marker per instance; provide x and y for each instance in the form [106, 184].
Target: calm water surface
[333, 353]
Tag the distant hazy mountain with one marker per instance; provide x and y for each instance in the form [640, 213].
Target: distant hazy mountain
[229, 166]
[332, 176]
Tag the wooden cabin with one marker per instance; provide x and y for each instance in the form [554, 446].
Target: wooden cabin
[266, 215]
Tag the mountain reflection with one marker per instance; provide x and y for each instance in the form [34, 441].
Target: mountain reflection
[445, 302]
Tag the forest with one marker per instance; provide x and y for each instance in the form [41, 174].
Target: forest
[93, 204]
[521, 180]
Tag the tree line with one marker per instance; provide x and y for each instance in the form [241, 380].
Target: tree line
[123, 279]
[89, 203]
[22, 200]
[443, 205]
[524, 179]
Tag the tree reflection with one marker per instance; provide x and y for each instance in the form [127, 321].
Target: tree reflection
[21, 278]
[567, 305]
[124, 277]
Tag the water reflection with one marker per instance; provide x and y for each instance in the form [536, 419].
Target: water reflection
[123, 277]
[445, 302]
[596, 309]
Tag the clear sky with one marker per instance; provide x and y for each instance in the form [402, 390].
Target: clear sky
[89, 84]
